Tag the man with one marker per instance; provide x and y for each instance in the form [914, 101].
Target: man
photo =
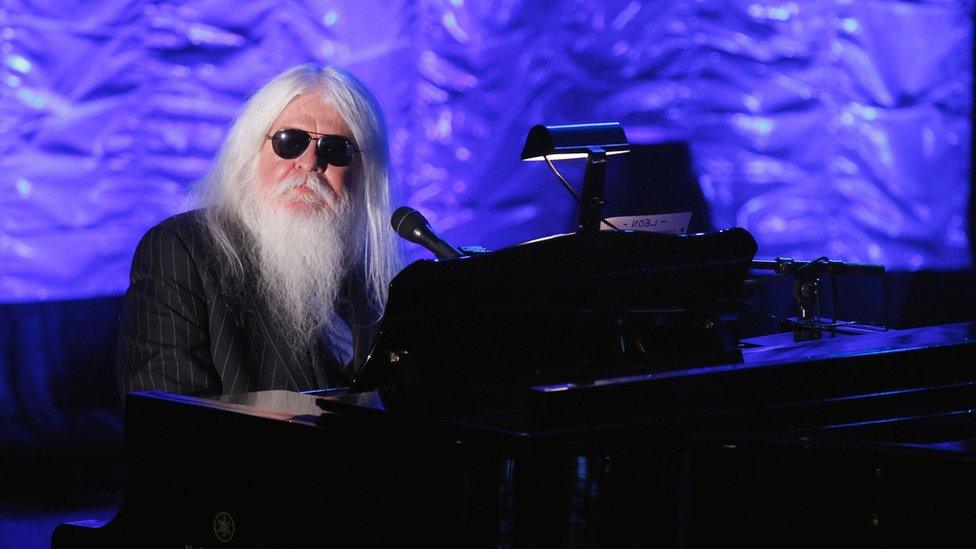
[279, 281]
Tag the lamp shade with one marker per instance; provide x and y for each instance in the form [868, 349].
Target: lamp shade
[574, 141]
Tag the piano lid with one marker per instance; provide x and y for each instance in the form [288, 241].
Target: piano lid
[563, 307]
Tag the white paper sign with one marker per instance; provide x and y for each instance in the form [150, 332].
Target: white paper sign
[661, 223]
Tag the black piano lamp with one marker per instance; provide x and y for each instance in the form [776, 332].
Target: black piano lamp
[591, 141]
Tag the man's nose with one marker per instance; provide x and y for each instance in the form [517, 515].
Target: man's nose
[308, 161]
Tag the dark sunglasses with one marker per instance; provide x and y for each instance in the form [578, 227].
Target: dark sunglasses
[329, 149]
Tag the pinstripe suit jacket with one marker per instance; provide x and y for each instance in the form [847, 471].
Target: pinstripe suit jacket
[187, 328]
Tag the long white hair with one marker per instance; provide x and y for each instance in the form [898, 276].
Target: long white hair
[225, 187]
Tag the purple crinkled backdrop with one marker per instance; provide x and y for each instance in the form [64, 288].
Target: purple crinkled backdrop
[832, 127]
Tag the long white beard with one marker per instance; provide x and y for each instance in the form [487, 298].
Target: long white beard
[303, 259]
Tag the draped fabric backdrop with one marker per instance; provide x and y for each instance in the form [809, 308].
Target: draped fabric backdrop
[830, 127]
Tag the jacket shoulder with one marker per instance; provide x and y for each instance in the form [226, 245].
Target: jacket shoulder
[185, 234]
[186, 224]
[187, 228]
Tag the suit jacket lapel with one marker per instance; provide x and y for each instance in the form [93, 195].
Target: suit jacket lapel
[300, 373]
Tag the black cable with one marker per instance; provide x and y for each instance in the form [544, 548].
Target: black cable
[572, 192]
[563, 181]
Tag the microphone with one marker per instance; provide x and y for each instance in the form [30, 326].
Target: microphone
[413, 226]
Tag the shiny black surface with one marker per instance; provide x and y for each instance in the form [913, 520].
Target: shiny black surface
[863, 374]
[867, 438]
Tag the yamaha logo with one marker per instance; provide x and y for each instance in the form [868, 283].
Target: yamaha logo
[223, 527]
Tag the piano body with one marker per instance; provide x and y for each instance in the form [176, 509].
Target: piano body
[579, 391]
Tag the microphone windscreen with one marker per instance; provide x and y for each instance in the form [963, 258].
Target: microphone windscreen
[413, 226]
[403, 222]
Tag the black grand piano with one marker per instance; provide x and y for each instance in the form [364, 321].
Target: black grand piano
[577, 391]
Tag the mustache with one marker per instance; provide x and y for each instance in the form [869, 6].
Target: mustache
[321, 191]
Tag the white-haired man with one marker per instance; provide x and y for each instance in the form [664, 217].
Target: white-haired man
[278, 282]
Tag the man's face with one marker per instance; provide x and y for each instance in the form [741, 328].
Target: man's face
[311, 113]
